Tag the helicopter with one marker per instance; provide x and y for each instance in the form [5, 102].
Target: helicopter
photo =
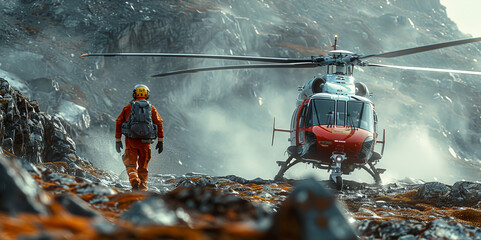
[334, 125]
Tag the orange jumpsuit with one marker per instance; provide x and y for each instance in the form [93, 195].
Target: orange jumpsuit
[137, 154]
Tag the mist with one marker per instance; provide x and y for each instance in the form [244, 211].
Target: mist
[220, 123]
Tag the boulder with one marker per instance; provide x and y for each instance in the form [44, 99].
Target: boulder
[466, 192]
[33, 135]
[151, 211]
[75, 205]
[74, 114]
[432, 190]
[211, 201]
[18, 191]
[98, 189]
[309, 212]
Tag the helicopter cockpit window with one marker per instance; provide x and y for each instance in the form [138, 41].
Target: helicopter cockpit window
[360, 115]
[321, 112]
[341, 113]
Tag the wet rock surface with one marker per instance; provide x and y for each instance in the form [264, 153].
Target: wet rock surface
[198, 206]
[34, 136]
[18, 191]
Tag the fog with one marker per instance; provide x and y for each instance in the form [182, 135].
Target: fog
[220, 122]
[465, 13]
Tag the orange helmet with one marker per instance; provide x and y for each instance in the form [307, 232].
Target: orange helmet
[141, 91]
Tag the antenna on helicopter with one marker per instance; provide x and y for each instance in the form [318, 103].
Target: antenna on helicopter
[335, 42]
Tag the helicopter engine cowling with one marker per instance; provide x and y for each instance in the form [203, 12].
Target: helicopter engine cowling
[361, 89]
[313, 86]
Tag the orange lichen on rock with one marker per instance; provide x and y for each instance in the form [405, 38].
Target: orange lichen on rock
[468, 215]
[407, 197]
[60, 224]
[122, 201]
[12, 226]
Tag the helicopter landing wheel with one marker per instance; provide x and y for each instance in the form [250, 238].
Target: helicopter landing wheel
[339, 183]
[284, 167]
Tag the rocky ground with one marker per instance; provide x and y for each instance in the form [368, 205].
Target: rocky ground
[43, 204]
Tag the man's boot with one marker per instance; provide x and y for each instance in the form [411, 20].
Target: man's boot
[135, 185]
[143, 186]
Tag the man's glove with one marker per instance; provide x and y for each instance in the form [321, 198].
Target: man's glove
[118, 146]
[160, 147]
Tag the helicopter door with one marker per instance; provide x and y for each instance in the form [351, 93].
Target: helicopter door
[293, 137]
[302, 123]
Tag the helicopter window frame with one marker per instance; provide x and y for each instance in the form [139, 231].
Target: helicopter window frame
[348, 69]
[364, 117]
[294, 119]
[342, 103]
[303, 114]
[331, 120]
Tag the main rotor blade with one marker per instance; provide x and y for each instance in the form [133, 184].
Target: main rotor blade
[422, 48]
[285, 65]
[425, 69]
[207, 56]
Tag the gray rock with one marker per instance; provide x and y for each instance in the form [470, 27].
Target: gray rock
[33, 135]
[466, 191]
[186, 183]
[18, 190]
[432, 190]
[74, 114]
[204, 182]
[30, 167]
[99, 189]
[236, 179]
[314, 211]
[242, 188]
[396, 229]
[446, 229]
[151, 211]
[55, 177]
[75, 205]
[259, 180]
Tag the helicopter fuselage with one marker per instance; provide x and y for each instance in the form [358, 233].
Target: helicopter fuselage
[327, 125]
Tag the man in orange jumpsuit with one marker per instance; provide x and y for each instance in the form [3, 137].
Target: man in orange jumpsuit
[137, 149]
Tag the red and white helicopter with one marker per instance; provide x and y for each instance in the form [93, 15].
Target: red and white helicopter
[334, 124]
